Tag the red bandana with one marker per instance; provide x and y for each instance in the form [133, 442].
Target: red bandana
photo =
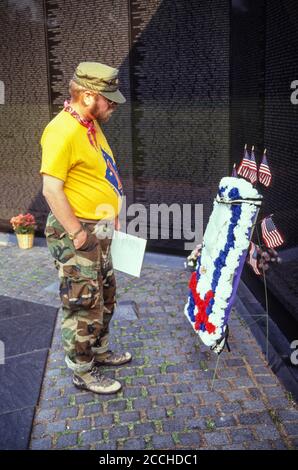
[91, 133]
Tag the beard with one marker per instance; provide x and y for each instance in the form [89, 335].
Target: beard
[100, 116]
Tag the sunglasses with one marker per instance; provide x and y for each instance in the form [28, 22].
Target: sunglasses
[109, 101]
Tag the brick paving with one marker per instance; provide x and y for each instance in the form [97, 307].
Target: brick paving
[166, 401]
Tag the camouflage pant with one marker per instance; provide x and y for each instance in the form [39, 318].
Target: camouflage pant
[87, 291]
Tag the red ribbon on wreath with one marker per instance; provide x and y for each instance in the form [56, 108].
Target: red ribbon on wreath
[202, 304]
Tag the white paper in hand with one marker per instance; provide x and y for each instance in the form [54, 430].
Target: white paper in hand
[128, 253]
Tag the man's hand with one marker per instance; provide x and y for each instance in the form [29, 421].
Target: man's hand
[53, 191]
[80, 239]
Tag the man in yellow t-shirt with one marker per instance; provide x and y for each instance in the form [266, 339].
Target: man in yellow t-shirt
[82, 186]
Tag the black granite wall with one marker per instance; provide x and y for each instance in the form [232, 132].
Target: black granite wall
[264, 112]
[171, 139]
[264, 63]
[92, 30]
[281, 114]
[180, 96]
[247, 63]
[23, 70]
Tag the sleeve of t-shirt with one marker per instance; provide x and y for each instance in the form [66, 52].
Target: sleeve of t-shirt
[56, 155]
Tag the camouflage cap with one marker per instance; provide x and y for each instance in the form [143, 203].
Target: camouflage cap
[101, 78]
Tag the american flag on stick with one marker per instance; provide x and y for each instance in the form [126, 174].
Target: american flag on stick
[271, 236]
[234, 171]
[253, 174]
[264, 171]
[253, 257]
[244, 167]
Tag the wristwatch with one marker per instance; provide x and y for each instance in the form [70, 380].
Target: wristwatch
[72, 235]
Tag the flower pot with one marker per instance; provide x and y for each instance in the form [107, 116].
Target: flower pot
[25, 240]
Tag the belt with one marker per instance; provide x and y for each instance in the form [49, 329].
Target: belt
[95, 222]
[88, 221]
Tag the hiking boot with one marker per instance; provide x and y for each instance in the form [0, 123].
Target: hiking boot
[96, 382]
[111, 358]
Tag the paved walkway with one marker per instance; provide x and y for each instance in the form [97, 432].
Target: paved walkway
[166, 401]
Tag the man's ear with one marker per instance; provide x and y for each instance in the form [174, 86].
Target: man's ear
[87, 98]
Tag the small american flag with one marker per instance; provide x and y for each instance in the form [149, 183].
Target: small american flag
[253, 257]
[271, 236]
[264, 171]
[253, 174]
[234, 171]
[244, 167]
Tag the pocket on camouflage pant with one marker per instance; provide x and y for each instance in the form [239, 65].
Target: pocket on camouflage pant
[60, 246]
[78, 292]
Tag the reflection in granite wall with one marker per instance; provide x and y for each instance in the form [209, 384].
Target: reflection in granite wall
[180, 93]
[23, 69]
[171, 139]
[264, 63]
[281, 115]
[247, 76]
[264, 44]
[97, 31]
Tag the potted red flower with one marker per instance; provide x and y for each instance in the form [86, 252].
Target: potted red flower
[24, 226]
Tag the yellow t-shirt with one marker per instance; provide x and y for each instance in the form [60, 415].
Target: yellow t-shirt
[91, 181]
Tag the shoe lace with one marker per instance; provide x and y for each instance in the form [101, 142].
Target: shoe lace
[100, 377]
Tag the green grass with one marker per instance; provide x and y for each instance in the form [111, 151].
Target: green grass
[164, 366]
[116, 418]
[210, 424]
[72, 400]
[175, 438]
[290, 398]
[140, 373]
[128, 380]
[203, 365]
[274, 416]
[152, 380]
[158, 426]
[129, 405]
